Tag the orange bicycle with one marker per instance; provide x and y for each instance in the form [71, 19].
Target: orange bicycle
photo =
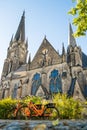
[39, 111]
[14, 109]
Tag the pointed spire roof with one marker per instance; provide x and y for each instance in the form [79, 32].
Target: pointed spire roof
[29, 60]
[11, 40]
[20, 34]
[27, 43]
[63, 49]
[71, 39]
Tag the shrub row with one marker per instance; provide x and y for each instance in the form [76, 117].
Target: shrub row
[68, 107]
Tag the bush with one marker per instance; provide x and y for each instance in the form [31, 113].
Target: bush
[68, 107]
[6, 105]
[34, 99]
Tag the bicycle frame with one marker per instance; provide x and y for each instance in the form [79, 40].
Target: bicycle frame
[19, 105]
[37, 111]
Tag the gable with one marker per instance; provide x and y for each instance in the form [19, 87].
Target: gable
[45, 56]
[40, 92]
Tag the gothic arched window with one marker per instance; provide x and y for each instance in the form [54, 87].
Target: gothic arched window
[36, 82]
[55, 82]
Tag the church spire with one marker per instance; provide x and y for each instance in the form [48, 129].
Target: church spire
[21, 29]
[71, 39]
[27, 43]
[63, 49]
[29, 61]
[11, 40]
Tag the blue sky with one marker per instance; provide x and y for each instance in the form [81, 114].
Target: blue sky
[42, 17]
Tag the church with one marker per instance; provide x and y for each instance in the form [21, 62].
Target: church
[48, 73]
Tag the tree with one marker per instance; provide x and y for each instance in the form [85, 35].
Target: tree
[80, 21]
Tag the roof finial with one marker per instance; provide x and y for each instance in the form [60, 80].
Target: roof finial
[23, 13]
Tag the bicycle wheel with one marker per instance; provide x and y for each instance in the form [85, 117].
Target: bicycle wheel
[51, 113]
[23, 113]
[11, 113]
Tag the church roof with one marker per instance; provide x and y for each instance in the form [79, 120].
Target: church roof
[22, 68]
[45, 52]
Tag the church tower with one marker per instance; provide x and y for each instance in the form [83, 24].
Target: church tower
[74, 53]
[17, 50]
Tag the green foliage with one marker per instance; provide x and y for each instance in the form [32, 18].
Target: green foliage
[80, 21]
[6, 105]
[68, 107]
[34, 99]
[55, 122]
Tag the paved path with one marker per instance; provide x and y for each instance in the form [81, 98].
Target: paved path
[43, 125]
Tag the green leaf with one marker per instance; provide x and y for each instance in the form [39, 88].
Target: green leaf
[55, 122]
[80, 21]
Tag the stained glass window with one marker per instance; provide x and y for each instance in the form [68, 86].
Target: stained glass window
[36, 82]
[15, 91]
[55, 82]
